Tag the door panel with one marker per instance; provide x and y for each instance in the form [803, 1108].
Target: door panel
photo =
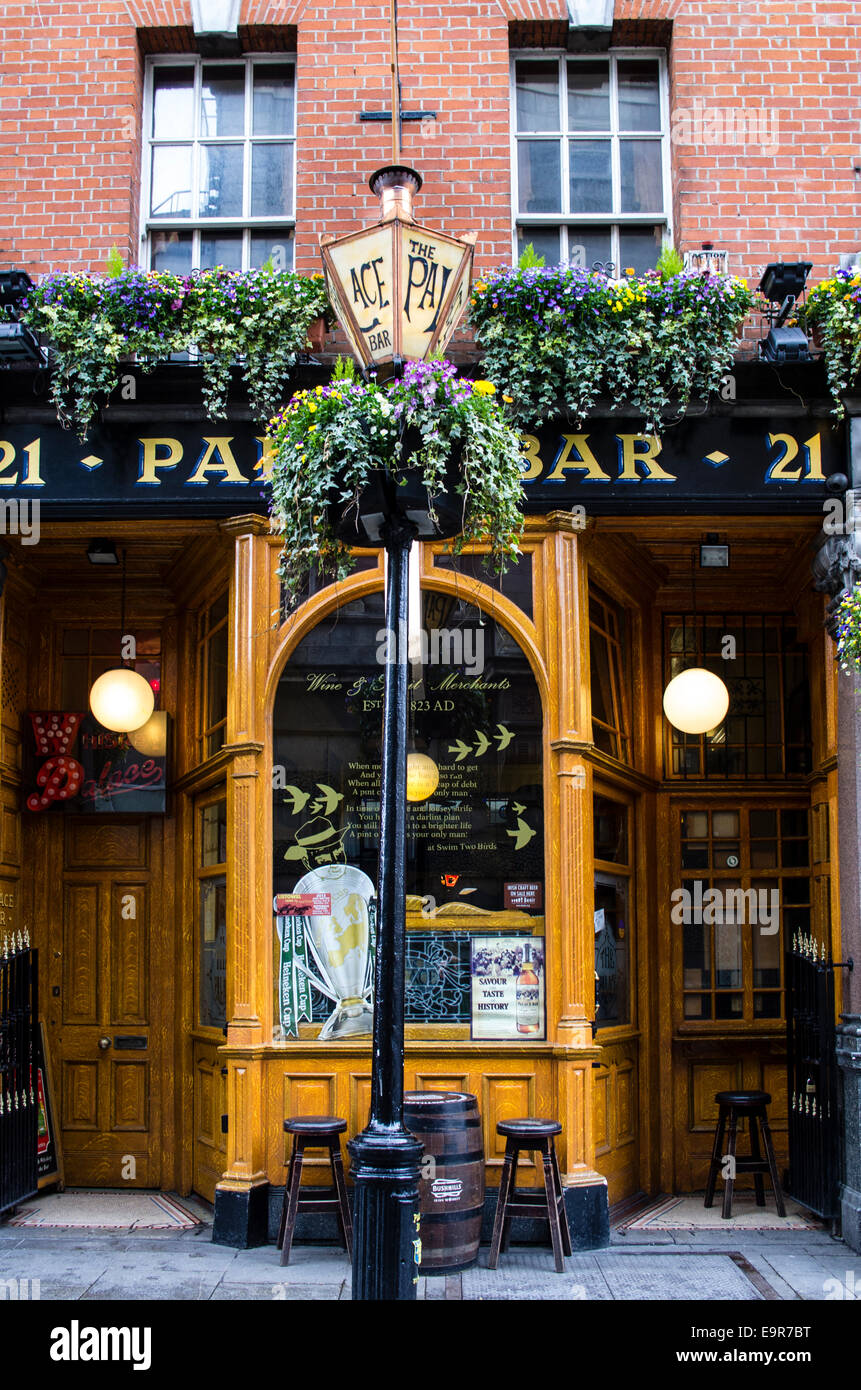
[615, 1118]
[105, 1040]
[210, 1103]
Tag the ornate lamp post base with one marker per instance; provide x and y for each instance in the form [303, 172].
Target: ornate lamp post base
[385, 1170]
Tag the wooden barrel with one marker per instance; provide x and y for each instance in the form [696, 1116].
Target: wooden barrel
[452, 1194]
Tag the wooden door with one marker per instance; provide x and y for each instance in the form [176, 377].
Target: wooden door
[729, 1031]
[616, 1104]
[109, 951]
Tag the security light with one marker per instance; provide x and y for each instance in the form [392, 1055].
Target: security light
[17, 343]
[714, 555]
[782, 282]
[102, 553]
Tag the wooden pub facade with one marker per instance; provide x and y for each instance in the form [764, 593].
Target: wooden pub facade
[569, 812]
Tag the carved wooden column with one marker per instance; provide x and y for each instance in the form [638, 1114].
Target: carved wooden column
[242, 1194]
[570, 823]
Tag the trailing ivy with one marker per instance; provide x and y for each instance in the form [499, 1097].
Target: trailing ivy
[258, 318]
[833, 311]
[559, 338]
[328, 442]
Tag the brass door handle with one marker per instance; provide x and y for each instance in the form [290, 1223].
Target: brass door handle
[104, 1044]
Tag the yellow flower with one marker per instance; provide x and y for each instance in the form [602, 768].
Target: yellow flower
[300, 445]
[312, 407]
[479, 287]
[629, 270]
[484, 388]
[509, 400]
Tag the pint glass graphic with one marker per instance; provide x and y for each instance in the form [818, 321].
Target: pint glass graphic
[339, 939]
[341, 946]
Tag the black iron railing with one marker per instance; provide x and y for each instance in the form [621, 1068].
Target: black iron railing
[813, 1078]
[18, 1103]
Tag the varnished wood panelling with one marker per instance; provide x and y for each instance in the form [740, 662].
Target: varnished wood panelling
[129, 1095]
[360, 1099]
[80, 1091]
[504, 1097]
[625, 1107]
[600, 1112]
[706, 1079]
[209, 1149]
[10, 833]
[204, 1110]
[309, 1095]
[81, 953]
[431, 1081]
[129, 954]
[97, 845]
[774, 1082]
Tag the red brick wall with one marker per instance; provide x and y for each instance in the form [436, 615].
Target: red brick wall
[71, 93]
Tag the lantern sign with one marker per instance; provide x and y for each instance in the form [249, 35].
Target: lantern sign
[398, 288]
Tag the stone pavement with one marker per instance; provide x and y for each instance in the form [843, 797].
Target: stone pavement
[90, 1265]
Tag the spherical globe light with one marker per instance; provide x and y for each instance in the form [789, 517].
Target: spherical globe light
[151, 738]
[122, 700]
[422, 777]
[696, 701]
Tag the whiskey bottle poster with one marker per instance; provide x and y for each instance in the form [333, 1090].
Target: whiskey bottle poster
[507, 976]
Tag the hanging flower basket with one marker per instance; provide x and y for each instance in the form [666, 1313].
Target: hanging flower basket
[849, 631]
[260, 319]
[832, 315]
[402, 491]
[347, 455]
[556, 339]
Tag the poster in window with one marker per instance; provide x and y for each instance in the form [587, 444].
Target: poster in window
[475, 842]
[507, 976]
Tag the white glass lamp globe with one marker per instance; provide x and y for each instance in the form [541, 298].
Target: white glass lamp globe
[122, 700]
[151, 738]
[696, 701]
[422, 777]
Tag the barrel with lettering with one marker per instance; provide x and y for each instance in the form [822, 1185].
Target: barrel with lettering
[452, 1188]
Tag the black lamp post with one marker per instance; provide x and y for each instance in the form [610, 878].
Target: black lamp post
[386, 1157]
[399, 289]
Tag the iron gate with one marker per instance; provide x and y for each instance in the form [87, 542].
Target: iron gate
[18, 1107]
[813, 1078]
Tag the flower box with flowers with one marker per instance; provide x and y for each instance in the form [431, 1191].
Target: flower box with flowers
[557, 339]
[259, 319]
[832, 315]
[848, 615]
[348, 454]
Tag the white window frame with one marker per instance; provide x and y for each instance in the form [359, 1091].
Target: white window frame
[566, 218]
[202, 225]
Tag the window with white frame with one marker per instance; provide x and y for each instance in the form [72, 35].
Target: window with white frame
[591, 157]
[218, 182]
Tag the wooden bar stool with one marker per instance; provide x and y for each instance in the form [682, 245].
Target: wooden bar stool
[314, 1132]
[526, 1136]
[732, 1105]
